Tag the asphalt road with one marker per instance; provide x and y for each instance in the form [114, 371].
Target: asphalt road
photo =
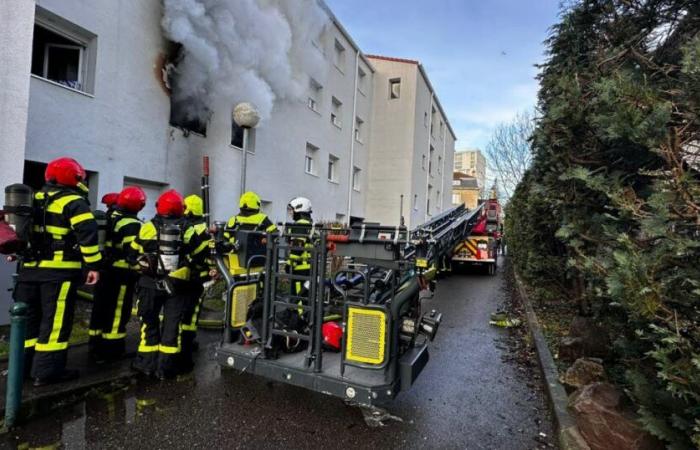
[473, 394]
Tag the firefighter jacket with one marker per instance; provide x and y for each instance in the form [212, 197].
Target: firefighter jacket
[248, 221]
[64, 235]
[301, 259]
[123, 228]
[195, 242]
[201, 266]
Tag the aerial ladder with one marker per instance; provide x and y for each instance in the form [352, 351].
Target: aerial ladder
[366, 281]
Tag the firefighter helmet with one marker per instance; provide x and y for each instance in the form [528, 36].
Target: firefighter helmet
[300, 205]
[109, 200]
[132, 199]
[332, 335]
[250, 201]
[64, 171]
[194, 205]
[170, 203]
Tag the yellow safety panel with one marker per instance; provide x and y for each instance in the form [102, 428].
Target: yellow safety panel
[241, 299]
[422, 263]
[366, 336]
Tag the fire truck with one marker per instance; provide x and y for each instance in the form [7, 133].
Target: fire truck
[366, 282]
[480, 248]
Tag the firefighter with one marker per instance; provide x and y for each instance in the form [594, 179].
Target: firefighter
[62, 243]
[194, 216]
[110, 201]
[166, 250]
[115, 291]
[299, 264]
[299, 260]
[249, 217]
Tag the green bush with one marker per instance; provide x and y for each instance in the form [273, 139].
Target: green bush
[609, 212]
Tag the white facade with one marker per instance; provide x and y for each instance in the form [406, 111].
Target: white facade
[412, 146]
[116, 122]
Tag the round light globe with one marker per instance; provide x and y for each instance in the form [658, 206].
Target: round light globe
[245, 115]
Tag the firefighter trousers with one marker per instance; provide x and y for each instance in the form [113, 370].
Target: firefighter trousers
[160, 344]
[189, 322]
[49, 324]
[111, 311]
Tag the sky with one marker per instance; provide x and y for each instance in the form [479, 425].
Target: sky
[479, 54]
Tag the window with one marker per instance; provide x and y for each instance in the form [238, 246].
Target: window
[62, 52]
[439, 164]
[336, 112]
[315, 91]
[333, 168]
[358, 129]
[356, 178]
[425, 119]
[427, 203]
[361, 80]
[394, 88]
[339, 60]
[430, 160]
[237, 137]
[415, 202]
[439, 200]
[422, 164]
[442, 126]
[310, 159]
[456, 199]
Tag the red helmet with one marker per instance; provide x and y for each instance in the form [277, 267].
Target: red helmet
[132, 199]
[170, 203]
[64, 171]
[110, 199]
[332, 335]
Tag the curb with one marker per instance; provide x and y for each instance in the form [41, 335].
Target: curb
[568, 434]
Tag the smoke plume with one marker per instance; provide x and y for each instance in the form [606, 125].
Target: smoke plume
[259, 51]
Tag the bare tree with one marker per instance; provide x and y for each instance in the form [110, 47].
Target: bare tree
[508, 152]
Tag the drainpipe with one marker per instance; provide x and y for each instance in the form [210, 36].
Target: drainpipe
[352, 136]
[442, 169]
[427, 177]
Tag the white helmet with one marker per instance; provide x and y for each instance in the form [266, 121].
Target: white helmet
[300, 205]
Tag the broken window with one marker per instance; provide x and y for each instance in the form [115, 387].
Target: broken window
[60, 52]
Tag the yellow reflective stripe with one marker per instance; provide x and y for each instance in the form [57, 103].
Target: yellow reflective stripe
[56, 206]
[124, 222]
[117, 314]
[189, 327]
[93, 258]
[121, 264]
[136, 246]
[201, 248]
[114, 336]
[94, 332]
[53, 344]
[48, 264]
[169, 350]
[143, 348]
[81, 218]
[128, 239]
[57, 230]
[271, 228]
[29, 343]
[90, 249]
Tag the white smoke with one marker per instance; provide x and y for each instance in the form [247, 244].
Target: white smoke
[258, 51]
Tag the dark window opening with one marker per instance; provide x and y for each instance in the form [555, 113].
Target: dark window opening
[395, 88]
[236, 135]
[179, 118]
[58, 58]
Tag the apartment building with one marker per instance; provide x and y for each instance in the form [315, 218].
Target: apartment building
[465, 190]
[92, 83]
[472, 162]
[412, 145]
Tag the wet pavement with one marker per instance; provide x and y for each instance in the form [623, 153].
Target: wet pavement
[471, 395]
